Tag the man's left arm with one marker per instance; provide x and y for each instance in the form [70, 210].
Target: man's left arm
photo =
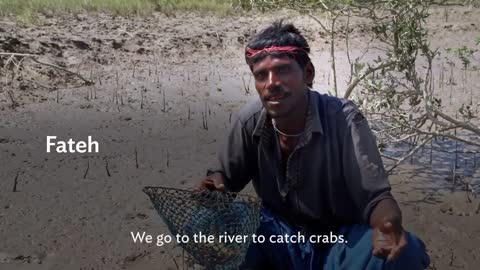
[368, 184]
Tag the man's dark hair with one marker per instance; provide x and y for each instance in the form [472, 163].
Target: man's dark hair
[279, 34]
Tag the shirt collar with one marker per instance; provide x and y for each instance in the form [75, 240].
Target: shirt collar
[314, 112]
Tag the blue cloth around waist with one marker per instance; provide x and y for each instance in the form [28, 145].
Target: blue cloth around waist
[353, 254]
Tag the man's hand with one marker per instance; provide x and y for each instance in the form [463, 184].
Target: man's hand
[389, 240]
[212, 182]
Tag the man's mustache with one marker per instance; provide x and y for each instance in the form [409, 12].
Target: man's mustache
[277, 91]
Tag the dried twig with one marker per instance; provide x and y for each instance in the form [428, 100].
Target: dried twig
[319, 22]
[452, 257]
[18, 54]
[390, 157]
[204, 117]
[168, 159]
[136, 158]
[88, 168]
[164, 102]
[469, 188]
[15, 182]
[106, 167]
[41, 85]
[410, 153]
[12, 98]
[33, 57]
[204, 121]
[246, 86]
[173, 258]
[367, 72]
[141, 97]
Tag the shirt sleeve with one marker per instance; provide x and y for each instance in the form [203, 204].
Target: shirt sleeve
[365, 175]
[234, 158]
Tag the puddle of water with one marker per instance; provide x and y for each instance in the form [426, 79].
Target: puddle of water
[437, 160]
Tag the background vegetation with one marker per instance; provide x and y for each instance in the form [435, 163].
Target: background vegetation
[28, 9]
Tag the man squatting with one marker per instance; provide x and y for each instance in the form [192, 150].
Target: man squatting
[315, 165]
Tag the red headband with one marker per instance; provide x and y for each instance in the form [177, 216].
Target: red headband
[252, 53]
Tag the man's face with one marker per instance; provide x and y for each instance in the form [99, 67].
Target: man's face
[281, 84]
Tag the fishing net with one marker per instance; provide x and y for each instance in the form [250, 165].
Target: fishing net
[209, 213]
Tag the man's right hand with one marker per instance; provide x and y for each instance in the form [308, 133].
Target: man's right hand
[215, 181]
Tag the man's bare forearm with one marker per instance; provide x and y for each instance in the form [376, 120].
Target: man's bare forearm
[387, 210]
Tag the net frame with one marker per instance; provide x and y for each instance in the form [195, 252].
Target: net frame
[188, 212]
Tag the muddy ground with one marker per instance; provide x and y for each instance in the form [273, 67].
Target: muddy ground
[166, 88]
